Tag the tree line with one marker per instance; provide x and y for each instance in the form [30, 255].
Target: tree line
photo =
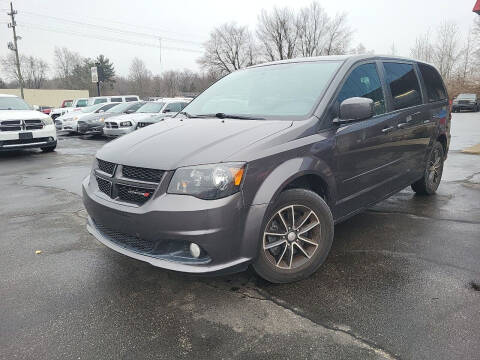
[281, 33]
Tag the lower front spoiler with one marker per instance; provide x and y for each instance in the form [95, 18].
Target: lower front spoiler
[237, 265]
[39, 144]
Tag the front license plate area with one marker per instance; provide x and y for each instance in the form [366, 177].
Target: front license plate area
[25, 136]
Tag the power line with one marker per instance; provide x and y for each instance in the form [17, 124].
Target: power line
[14, 46]
[106, 38]
[107, 28]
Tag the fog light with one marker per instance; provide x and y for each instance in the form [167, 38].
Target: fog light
[195, 250]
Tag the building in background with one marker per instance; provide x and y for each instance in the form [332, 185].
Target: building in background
[47, 97]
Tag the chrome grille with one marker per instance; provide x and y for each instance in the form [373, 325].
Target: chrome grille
[106, 166]
[134, 194]
[142, 174]
[11, 125]
[104, 186]
[33, 124]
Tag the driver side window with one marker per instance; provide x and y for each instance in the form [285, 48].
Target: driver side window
[364, 82]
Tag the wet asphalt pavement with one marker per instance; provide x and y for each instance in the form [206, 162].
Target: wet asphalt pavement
[402, 280]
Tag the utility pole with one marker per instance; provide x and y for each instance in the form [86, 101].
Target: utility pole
[160, 46]
[14, 46]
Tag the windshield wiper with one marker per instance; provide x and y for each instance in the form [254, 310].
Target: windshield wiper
[222, 115]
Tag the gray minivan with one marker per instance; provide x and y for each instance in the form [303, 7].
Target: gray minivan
[259, 167]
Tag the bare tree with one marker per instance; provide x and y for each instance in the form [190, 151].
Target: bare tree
[9, 67]
[140, 78]
[313, 25]
[339, 36]
[447, 49]
[65, 63]
[423, 49]
[229, 48]
[277, 33]
[34, 72]
[467, 56]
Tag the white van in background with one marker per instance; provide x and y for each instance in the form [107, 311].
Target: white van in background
[76, 104]
[117, 98]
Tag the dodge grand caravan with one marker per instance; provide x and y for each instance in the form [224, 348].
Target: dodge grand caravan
[258, 168]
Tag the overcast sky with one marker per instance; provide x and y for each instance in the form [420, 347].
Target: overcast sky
[185, 24]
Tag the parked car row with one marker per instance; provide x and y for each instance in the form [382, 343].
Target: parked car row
[72, 105]
[114, 119]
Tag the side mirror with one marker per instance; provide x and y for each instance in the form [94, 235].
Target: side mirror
[355, 109]
[166, 111]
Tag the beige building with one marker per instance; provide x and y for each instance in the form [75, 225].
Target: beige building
[47, 97]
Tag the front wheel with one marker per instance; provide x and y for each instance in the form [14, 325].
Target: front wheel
[430, 181]
[49, 149]
[296, 239]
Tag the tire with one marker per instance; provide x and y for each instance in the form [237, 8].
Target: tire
[49, 149]
[432, 176]
[276, 264]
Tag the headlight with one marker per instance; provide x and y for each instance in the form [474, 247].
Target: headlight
[208, 182]
[47, 121]
[126, 123]
[75, 118]
[101, 119]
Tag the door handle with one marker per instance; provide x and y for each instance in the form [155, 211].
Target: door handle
[402, 125]
[387, 129]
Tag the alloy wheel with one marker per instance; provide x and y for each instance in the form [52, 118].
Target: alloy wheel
[292, 236]
[434, 170]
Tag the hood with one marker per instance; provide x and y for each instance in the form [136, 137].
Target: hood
[135, 117]
[174, 143]
[22, 115]
[98, 116]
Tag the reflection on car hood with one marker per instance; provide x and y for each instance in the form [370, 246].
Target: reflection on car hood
[135, 117]
[21, 115]
[174, 142]
[97, 116]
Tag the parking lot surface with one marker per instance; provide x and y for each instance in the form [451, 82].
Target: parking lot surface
[402, 280]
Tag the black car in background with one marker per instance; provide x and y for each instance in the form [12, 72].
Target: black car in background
[466, 102]
[258, 168]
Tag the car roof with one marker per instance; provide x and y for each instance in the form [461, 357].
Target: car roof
[8, 95]
[341, 58]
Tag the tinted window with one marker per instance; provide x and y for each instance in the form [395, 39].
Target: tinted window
[174, 107]
[364, 82]
[117, 99]
[282, 90]
[106, 107]
[404, 86]
[135, 98]
[433, 83]
[82, 103]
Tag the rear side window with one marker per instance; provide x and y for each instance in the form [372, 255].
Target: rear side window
[99, 101]
[404, 86]
[117, 99]
[135, 98]
[82, 103]
[364, 82]
[433, 83]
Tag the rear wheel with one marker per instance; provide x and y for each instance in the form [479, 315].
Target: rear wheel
[430, 181]
[297, 236]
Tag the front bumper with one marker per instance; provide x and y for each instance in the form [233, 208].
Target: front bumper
[118, 131]
[226, 231]
[70, 126]
[45, 137]
[87, 128]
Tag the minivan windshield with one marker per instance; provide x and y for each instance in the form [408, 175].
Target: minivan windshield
[276, 91]
[13, 103]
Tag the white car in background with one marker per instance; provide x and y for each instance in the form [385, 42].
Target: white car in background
[69, 121]
[76, 105]
[21, 127]
[116, 98]
[124, 124]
